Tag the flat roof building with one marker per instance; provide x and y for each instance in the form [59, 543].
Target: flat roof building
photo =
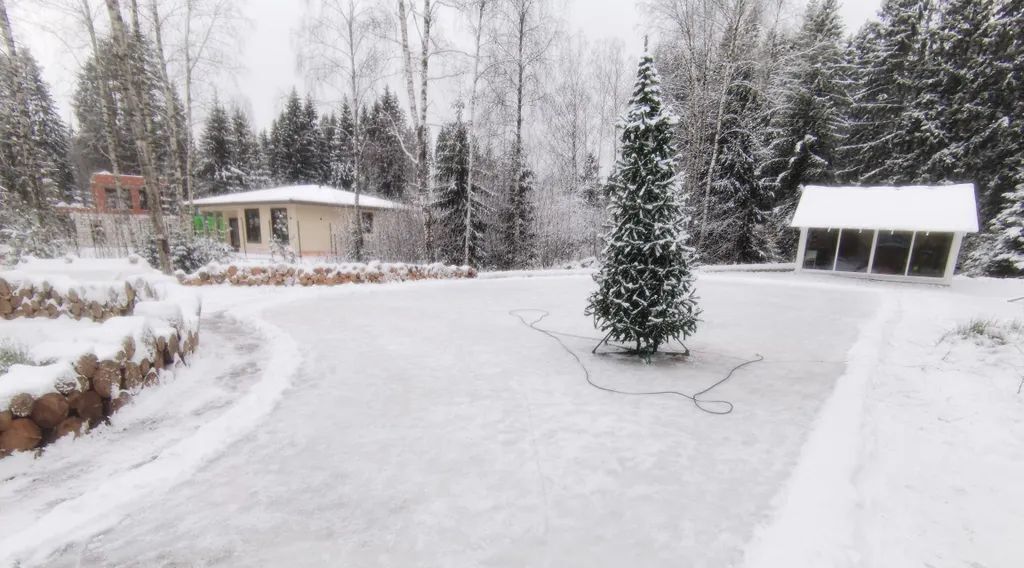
[312, 219]
[910, 233]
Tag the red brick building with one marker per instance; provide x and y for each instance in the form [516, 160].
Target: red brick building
[133, 195]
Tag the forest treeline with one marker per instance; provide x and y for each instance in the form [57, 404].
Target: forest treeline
[929, 92]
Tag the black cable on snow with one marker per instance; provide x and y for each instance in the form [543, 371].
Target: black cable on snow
[723, 406]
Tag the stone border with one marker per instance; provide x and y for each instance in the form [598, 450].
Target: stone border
[322, 275]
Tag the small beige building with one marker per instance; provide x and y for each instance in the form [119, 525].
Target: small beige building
[309, 218]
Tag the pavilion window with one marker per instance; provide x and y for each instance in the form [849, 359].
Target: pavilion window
[252, 226]
[854, 250]
[930, 254]
[821, 249]
[892, 252]
[279, 224]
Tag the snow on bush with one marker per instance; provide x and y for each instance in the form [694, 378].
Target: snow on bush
[188, 253]
[321, 274]
[988, 331]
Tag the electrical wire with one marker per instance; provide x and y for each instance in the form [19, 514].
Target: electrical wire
[719, 407]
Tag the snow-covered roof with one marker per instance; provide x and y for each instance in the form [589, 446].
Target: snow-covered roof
[949, 208]
[311, 194]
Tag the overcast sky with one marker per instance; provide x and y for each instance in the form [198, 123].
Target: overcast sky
[268, 56]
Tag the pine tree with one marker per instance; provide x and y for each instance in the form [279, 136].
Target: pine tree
[90, 140]
[343, 151]
[516, 219]
[740, 194]
[1006, 256]
[34, 147]
[326, 151]
[645, 289]
[453, 198]
[889, 58]
[309, 164]
[244, 153]
[215, 153]
[294, 138]
[386, 162]
[807, 126]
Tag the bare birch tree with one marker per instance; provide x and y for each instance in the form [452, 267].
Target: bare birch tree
[131, 74]
[418, 111]
[520, 50]
[172, 111]
[340, 50]
[476, 11]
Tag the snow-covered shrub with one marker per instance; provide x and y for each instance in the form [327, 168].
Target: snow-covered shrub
[282, 251]
[24, 235]
[12, 354]
[999, 332]
[188, 253]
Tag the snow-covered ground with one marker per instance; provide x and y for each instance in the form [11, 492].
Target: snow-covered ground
[421, 424]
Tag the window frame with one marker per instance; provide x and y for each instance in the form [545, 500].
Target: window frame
[273, 225]
[253, 237]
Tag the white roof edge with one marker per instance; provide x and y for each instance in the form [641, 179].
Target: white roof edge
[298, 194]
[937, 208]
[199, 203]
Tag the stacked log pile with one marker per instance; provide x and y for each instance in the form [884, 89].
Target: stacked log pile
[99, 389]
[42, 300]
[322, 274]
[78, 391]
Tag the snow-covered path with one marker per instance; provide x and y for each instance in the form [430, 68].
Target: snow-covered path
[428, 427]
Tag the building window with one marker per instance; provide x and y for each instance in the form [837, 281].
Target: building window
[854, 250]
[367, 222]
[112, 200]
[252, 226]
[891, 252]
[931, 252]
[279, 225]
[821, 249]
[143, 199]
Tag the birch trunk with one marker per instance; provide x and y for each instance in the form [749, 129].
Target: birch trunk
[106, 102]
[357, 243]
[471, 129]
[172, 110]
[141, 129]
[423, 169]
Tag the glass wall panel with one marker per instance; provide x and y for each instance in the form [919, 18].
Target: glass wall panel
[854, 250]
[821, 249]
[931, 251]
[891, 252]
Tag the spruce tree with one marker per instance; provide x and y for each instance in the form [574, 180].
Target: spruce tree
[645, 295]
[34, 164]
[244, 153]
[343, 151]
[215, 153]
[516, 219]
[1006, 256]
[889, 73]
[807, 126]
[453, 198]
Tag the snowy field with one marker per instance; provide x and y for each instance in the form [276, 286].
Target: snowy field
[420, 424]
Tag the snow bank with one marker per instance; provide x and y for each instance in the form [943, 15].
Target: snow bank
[816, 514]
[321, 274]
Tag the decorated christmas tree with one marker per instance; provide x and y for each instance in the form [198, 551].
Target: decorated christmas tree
[645, 289]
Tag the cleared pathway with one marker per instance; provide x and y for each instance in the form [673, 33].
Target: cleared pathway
[427, 427]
